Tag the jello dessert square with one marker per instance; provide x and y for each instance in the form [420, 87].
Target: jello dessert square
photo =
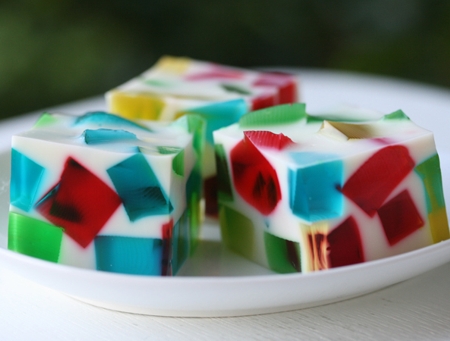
[300, 193]
[102, 192]
[221, 94]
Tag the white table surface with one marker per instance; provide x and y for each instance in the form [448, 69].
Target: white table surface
[417, 309]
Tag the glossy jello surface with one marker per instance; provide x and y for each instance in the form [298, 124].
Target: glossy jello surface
[102, 192]
[301, 193]
[221, 94]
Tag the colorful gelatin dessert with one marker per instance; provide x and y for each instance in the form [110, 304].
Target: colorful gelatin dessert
[221, 94]
[299, 193]
[103, 192]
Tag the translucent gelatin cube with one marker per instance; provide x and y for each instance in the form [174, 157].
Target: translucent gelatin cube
[439, 225]
[396, 115]
[196, 126]
[268, 139]
[181, 243]
[220, 114]
[281, 114]
[34, 237]
[370, 185]
[106, 135]
[167, 249]
[238, 231]
[264, 101]
[254, 177]
[178, 163]
[136, 106]
[45, 119]
[313, 193]
[210, 194]
[26, 177]
[145, 256]
[80, 202]
[175, 65]
[139, 188]
[129, 255]
[430, 173]
[178, 160]
[193, 195]
[225, 192]
[310, 119]
[400, 217]
[318, 251]
[101, 119]
[287, 87]
[345, 131]
[283, 255]
[344, 244]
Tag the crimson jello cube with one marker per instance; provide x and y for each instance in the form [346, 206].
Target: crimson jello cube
[106, 193]
[306, 193]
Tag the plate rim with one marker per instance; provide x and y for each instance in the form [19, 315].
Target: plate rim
[434, 248]
[200, 286]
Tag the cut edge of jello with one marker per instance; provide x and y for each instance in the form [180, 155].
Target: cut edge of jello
[302, 193]
[99, 191]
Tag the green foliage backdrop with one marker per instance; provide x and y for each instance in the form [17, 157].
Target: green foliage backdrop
[54, 51]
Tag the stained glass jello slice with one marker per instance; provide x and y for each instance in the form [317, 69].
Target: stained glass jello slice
[300, 193]
[102, 192]
[221, 94]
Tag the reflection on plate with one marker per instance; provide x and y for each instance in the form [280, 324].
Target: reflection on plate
[216, 282]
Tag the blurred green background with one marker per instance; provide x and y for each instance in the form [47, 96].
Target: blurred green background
[54, 51]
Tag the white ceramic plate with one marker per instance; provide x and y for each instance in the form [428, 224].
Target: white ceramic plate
[216, 282]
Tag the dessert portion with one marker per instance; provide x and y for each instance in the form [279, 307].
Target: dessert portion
[221, 94]
[103, 192]
[299, 193]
